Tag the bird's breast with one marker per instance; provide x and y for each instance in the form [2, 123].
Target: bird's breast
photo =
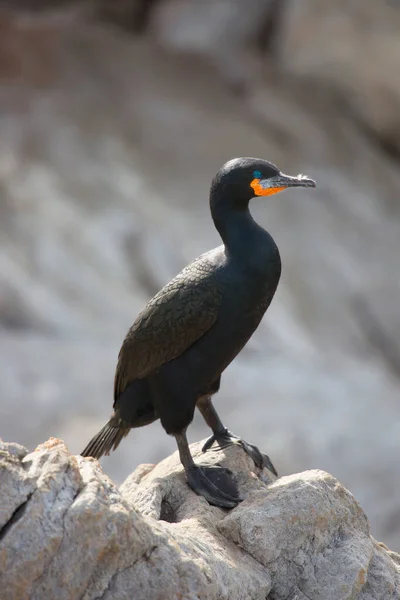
[246, 286]
[249, 283]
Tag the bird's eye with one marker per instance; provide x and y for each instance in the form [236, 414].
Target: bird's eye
[257, 174]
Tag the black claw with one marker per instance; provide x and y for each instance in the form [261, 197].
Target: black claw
[209, 443]
[226, 438]
[254, 453]
[216, 484]
[267, 463]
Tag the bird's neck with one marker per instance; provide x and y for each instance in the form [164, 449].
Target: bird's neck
[237, 229]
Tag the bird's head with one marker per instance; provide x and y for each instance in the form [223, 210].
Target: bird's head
[241, 179]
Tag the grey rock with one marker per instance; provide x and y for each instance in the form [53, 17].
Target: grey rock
[307, 528]
[75, 535]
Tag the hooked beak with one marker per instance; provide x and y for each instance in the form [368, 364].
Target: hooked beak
[273, 185]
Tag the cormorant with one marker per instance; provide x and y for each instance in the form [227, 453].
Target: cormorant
[175, 352]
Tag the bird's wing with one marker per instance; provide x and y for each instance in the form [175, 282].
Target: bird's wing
[170, 323]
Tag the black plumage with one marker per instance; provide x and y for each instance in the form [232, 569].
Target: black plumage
[173, 355]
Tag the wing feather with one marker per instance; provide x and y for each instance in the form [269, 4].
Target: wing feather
[169, 324]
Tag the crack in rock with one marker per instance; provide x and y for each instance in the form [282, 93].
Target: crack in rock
[15, 517]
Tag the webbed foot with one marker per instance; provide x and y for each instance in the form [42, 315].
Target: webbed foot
[215, 484]
[225, 438]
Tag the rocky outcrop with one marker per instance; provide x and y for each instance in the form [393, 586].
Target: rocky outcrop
[67, 532]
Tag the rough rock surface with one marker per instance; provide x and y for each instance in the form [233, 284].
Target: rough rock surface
[67, 532]
[107, 148]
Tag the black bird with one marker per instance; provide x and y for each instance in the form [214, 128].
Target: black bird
[173, 355]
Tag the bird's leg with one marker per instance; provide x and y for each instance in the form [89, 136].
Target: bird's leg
[225, 438]
[215, 483]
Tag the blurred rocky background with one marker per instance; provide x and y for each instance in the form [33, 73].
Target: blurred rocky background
[114, 116]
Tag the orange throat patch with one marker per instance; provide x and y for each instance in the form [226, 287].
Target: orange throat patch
[261, 191]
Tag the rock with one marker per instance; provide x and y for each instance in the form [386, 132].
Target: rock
[306, 526]
[67, 532]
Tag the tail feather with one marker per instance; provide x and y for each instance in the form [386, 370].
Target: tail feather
[108, 439]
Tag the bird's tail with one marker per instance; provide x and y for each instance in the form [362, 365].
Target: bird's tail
[108, 439]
